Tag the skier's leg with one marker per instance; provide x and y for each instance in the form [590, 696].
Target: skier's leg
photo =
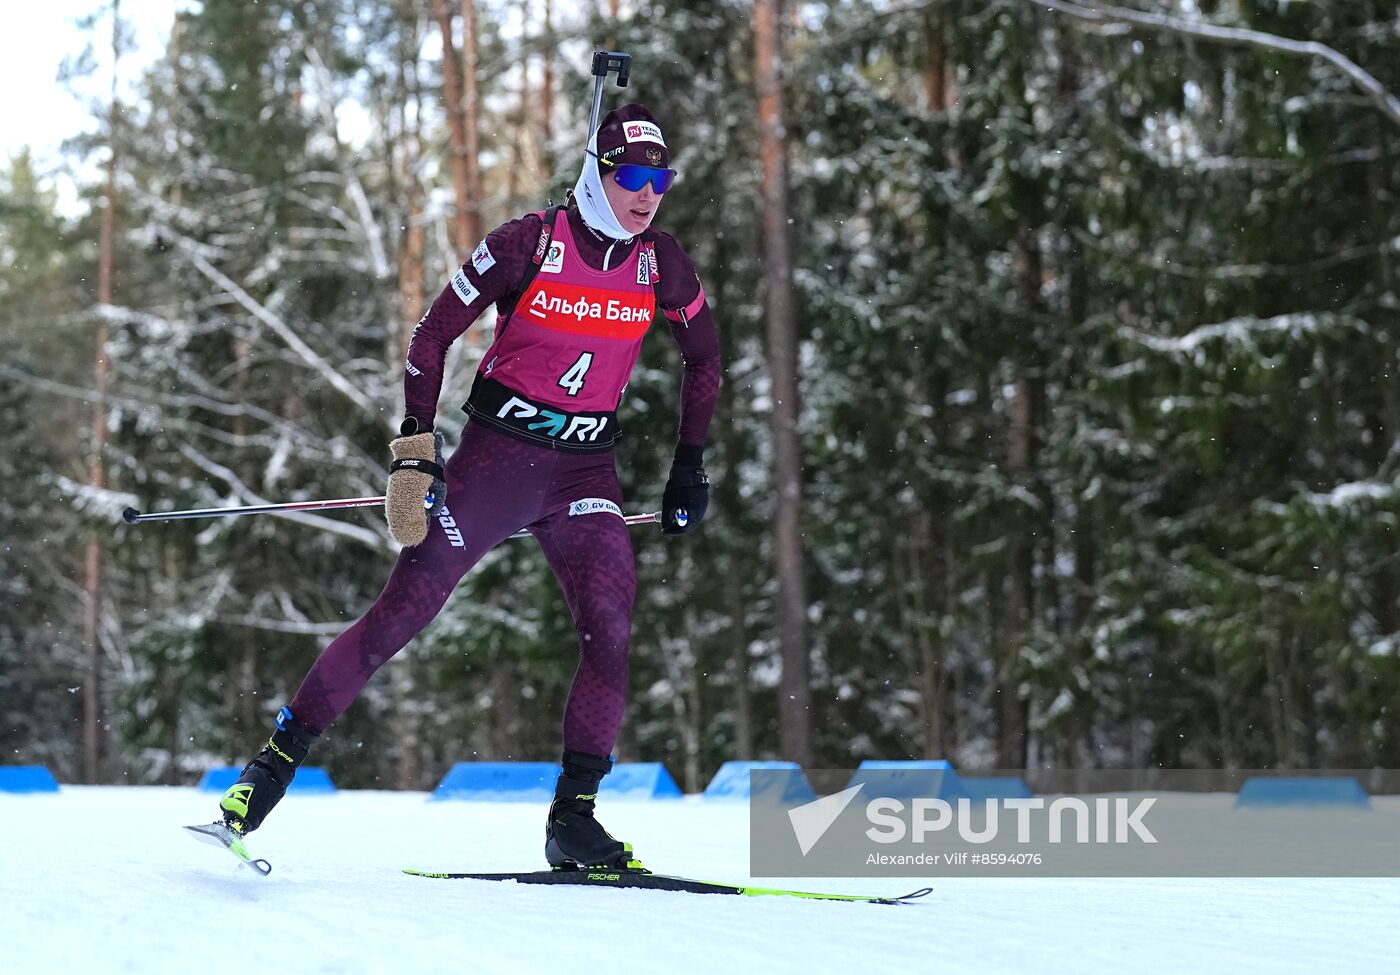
[591, 556]
[588, 546]
[495, 486]
[422, 579]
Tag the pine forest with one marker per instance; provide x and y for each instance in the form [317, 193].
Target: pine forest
[1060, 422]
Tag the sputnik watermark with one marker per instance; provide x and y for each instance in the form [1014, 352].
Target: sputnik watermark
[926, 820]
[1112, 820]
[811, 820]
[1108, 820]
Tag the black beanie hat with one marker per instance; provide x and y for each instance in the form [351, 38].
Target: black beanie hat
[630, 135]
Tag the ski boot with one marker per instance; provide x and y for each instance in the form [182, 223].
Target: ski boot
[264, 780]
[573, 838]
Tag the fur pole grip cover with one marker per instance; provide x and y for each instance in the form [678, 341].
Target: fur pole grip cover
[406, 502]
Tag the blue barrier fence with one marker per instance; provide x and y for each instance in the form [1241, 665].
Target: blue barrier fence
[310, 780]
[784, 782]
[27, 778]
[640, 780]
[911, 780]
[995, 787]
[534, 781]
[498, 781]
[1262, 792]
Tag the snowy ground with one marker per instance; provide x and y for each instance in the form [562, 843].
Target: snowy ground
[103, 880]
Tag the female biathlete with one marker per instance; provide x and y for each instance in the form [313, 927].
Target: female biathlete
[576, 288]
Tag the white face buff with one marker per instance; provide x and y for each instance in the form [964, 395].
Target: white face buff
[593, 203]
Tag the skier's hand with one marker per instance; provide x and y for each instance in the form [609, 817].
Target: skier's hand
[416, 490]
[687, 494]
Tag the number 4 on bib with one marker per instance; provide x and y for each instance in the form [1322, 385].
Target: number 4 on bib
[572, 380]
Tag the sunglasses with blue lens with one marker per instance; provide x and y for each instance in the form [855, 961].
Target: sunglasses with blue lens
[633, 178]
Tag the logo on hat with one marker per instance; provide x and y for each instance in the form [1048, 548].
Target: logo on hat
[643, 132]
[653, 157]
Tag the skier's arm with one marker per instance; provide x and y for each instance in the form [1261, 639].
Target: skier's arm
[492, 272]
[693, 327]
[686, 496]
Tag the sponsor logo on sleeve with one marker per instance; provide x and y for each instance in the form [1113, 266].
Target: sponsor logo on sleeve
[482, 259]
[412, 369]
[593, 506]
[464, 288]
[554, 260]
[643, 132]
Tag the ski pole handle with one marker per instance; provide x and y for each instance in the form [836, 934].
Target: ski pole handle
[132, 517]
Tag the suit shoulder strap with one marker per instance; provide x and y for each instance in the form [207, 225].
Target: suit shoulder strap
[532, 267]
[649, 238]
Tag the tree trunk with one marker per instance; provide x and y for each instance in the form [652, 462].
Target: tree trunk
[93, 728]
[547, 93]
[682, 674]
[1385, 577]
[739, 662]
[411, 242]
[516, 185]
[920, 628]
[730, 507]
[406, 746]
[936, 65]
[471, 106]
[452, 105]
[614, 8]
[1027, 421]
[794, 709]
[692, 730]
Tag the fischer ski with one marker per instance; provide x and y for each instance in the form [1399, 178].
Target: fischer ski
[645, 880]
[218, 834]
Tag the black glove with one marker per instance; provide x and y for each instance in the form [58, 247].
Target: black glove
[687, 493]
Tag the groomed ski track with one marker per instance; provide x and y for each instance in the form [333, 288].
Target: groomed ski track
[102, 879]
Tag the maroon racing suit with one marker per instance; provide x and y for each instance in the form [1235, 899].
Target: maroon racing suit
[537, 450]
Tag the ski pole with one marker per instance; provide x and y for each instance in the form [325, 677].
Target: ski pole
[604, 62]
[131, 516]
